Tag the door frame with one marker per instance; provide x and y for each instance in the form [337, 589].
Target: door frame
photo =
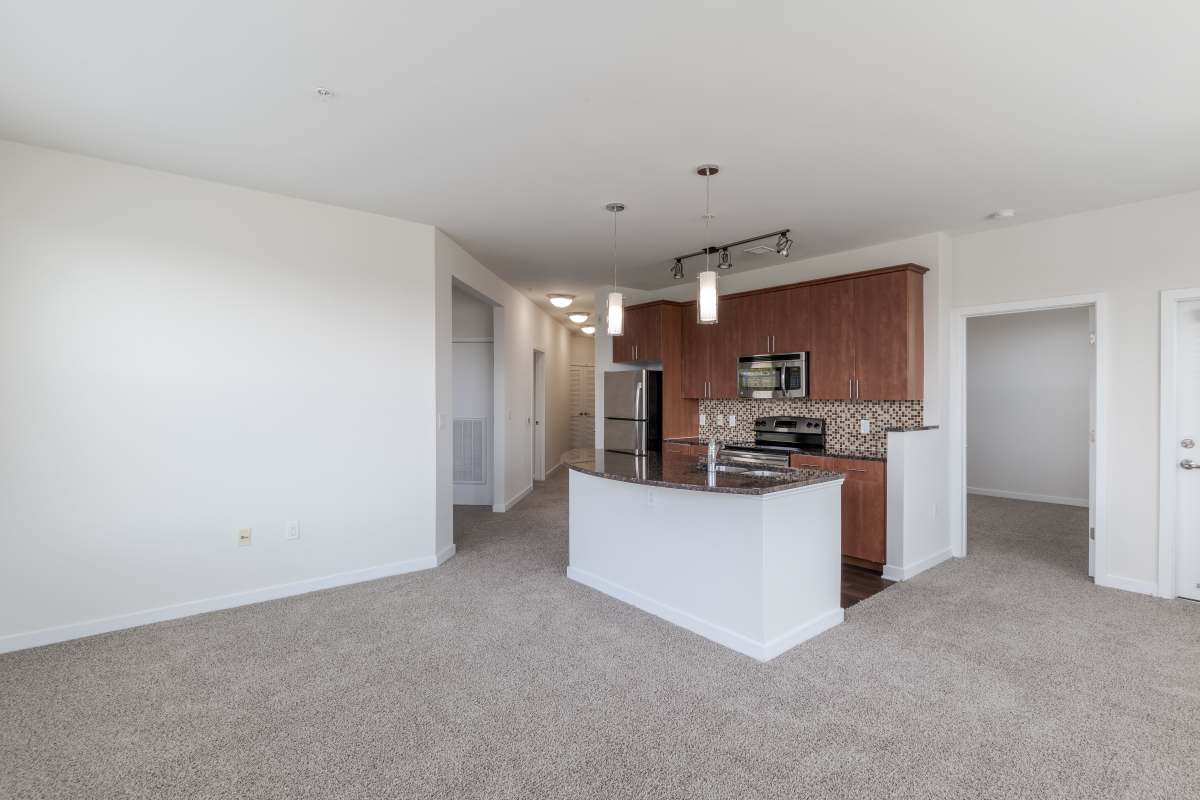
[1168, 531]
[538, 425]
[958, 417]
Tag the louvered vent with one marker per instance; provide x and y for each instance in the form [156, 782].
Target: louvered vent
[470, 446]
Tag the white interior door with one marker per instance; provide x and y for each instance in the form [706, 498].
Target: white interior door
[1187, 434]
[539, 416]
[1092, 445]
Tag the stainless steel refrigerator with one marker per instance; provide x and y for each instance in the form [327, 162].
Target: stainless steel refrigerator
[633, 411]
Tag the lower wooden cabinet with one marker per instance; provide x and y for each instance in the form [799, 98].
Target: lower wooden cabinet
[864, 506]
[685, 449]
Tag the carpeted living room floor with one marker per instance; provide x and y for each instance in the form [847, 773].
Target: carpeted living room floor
[1006, 674]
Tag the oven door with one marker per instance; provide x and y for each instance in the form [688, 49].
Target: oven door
[760, 379]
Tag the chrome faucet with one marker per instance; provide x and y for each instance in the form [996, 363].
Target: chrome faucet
[714, 453]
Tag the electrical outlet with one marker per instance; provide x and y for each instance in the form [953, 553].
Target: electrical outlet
[864, 426]
[243, 537]
[292, 531]
[702, 420]
[733, 420]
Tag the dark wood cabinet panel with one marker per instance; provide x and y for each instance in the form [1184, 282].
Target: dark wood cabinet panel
[788, 316]
[887, 325]
[695, 340]
[725, 347]
[864, 506]
[649, 333]
[831, 358]
[754, 328]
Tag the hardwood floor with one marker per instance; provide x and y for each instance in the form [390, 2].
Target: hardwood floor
[859, 584]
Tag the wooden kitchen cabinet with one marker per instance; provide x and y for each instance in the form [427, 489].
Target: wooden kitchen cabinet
[710, 352]
[864, 506]
[831, 360]
[889, 348]
[868, 338]
[774, 321]
[642, 339]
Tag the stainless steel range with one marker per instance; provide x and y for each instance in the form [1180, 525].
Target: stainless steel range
[777, 438]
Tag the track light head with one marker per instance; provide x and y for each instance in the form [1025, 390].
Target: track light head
[677, 269]
[726, 261]
[783, 244]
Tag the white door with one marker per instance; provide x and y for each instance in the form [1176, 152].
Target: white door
[472, 435]
[1187, 451]
[539, 416]
[1092, 445]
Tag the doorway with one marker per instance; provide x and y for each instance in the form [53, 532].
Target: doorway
[1179, 454]
[472, 392]
[538, 417]
[1030, 386]
[1089, 416]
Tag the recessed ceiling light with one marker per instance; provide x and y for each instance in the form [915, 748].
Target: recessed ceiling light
[1004, 213]
[588, 330]
[560, 300]
[578, 317]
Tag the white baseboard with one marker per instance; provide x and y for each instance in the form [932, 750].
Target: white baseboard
[134, 619]
[902, 573]
[509, 504]
[1127, 584]
[446, 553]
[761, 651]
[552, 470]
[1033, 498]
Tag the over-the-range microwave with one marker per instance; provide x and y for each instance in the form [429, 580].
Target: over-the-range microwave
[773, 376]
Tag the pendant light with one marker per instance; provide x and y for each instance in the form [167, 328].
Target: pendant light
[616, 311]
[706, 296]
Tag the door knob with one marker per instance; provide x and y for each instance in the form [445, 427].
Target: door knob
[1187, 463]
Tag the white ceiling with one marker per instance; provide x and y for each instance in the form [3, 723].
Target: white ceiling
[511, 125]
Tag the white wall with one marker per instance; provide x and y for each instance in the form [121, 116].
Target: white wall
[180, 359]
[1027, 405]
[1129, 253]
[519, 327]
[471, 317]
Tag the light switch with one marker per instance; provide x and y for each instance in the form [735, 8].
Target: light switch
[733, 420]
[702, 420]
[244, 537]
[864, 426]
[292, 530]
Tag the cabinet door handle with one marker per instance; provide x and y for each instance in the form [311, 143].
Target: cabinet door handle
[854, 469]
[851, 389]
[857, 387]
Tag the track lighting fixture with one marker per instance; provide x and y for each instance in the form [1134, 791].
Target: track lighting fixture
[783, 244]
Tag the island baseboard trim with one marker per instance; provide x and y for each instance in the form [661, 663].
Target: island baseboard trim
[895, 573]
[760, 651]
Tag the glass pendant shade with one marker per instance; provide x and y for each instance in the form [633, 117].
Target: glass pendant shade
[706, 298]
[616, 314]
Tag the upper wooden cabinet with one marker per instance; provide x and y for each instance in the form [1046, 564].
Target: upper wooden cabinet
[868, 337]
[778, 321]
[710, 352]
[642, 339]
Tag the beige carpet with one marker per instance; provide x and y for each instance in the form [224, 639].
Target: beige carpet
[1007, 674]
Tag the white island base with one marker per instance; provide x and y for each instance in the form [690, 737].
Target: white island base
[756, 573]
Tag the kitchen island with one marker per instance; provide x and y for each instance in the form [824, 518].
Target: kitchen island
[748, 558]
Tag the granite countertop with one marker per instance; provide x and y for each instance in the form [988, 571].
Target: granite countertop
[679, 471]
[852, 455]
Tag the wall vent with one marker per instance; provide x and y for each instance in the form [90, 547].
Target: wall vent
[470, 450]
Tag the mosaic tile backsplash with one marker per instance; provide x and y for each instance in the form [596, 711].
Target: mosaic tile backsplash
[841, 419]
